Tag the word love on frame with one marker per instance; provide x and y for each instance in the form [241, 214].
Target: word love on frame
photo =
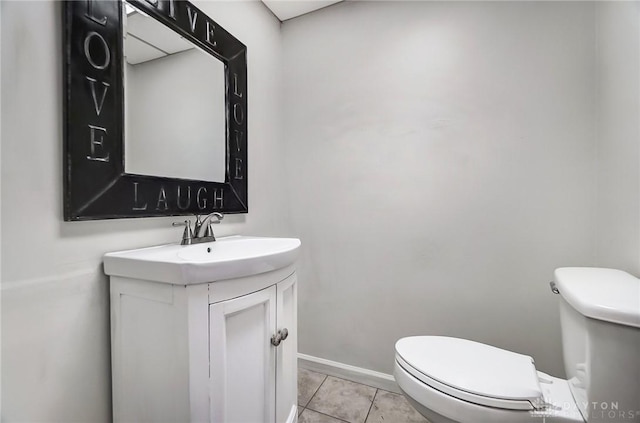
[96, 185]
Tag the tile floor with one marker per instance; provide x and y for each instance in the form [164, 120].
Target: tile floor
[328, 399]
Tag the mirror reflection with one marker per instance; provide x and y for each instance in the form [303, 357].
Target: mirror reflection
[174, 103]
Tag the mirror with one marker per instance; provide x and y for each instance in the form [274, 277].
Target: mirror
[137, 141]
[162, 107]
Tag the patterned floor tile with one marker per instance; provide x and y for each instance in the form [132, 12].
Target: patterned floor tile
[343, 399]
[389, 407]
[310, 416]
[308, 384]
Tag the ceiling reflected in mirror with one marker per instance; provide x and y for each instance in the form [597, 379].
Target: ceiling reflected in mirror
[290, 9]
[174, 103]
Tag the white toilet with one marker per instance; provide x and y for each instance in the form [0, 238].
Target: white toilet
[457, 380]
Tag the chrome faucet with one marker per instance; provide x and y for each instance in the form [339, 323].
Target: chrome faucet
[203, 227]
[202, 232]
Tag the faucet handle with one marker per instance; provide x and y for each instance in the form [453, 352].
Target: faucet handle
[208, 232]
[187, 235]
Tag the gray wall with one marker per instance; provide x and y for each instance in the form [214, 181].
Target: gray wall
[618, 102]
[55, 310]
[441, 160]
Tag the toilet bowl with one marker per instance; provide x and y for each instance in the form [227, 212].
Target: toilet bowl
[455, 380]
[452, 380]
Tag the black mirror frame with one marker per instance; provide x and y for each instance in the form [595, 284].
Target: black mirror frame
[96, 185]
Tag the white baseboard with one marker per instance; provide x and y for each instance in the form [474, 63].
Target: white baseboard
[346, 371]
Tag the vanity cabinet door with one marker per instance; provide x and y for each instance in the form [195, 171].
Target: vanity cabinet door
[287, 355]
[242, 359]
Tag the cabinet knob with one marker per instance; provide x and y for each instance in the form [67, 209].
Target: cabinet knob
[276, 339]
[279, 337]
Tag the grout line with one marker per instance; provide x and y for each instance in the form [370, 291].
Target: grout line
[315, 392]
[371, 406]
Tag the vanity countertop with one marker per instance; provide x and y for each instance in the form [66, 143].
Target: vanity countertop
[227, 258]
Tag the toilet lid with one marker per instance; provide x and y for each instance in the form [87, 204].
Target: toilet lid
[472, 371]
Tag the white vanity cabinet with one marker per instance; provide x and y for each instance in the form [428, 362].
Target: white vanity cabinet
[204, 352]
[246, 367]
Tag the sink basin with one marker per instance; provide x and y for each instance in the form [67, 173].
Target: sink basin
[227, 258]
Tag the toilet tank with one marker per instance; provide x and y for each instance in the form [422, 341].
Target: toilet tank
[600, 319]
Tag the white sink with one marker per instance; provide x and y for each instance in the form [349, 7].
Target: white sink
[227, 258]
